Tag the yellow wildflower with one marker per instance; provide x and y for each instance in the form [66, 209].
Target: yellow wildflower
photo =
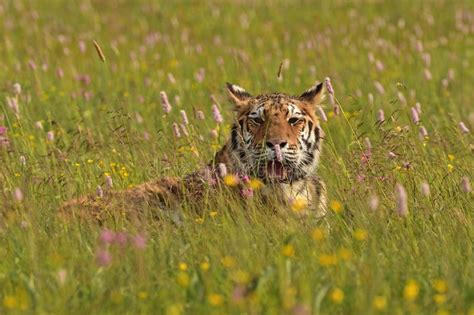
[439, 298]
[204, 266]
[379, 303]
[215, 299]
[327, 260]
[360, 234]
[440, 286]
[298, 205]
[255, 183]
[183, 279]
[142, 295]
[213, 214]
[411, 290]
[335, 206]
[231, 180]
[450, 157]
[10, 302]
[228, 261]
[337, 295]
[344, 254]
[116, 297]
[288, 250]
[90, 161]
[183, 266]
[241, 277]
[318, 234]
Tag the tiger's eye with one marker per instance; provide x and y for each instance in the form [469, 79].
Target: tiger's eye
[294, 121]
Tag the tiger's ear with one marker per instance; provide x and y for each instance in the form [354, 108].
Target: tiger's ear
[238, 95]
[314, 95]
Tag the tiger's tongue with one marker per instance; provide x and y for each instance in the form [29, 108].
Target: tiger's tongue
[276, 170]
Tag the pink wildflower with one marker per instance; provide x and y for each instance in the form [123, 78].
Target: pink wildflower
[214, 134]
[164, 102]
[121, 239]
[103, 257]
[18, 194]
[380, 116]
[50, 135]
[423, 132]
[108, 181]
[222, 170]
[322, 114]
[139, 241]
[414, 115]
[379, 87]
[216, 114]
[247, 193]
[184, 117]
[425, 189]
[401, 200]
[200, 115]
[373, 202]
[99, 192]
[463, 128]
[466, 185]
[107, 237]
[17, 89]
[176, 131]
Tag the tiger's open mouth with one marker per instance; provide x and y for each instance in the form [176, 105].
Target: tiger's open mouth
[276, 171]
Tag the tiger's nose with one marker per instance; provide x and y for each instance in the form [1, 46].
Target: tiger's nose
[274, 142]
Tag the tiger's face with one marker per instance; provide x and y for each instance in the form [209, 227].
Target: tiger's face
[276, 137]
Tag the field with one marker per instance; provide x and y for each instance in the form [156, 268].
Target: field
[399, 237]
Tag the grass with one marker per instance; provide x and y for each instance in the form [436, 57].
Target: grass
[226, 255]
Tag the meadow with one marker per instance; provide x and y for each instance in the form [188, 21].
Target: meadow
[397, 157]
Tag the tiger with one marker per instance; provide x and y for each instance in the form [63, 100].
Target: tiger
[275, 138]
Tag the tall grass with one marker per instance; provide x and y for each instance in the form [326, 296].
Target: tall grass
[80, 120]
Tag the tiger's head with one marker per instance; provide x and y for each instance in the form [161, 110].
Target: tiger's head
[276, 137]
